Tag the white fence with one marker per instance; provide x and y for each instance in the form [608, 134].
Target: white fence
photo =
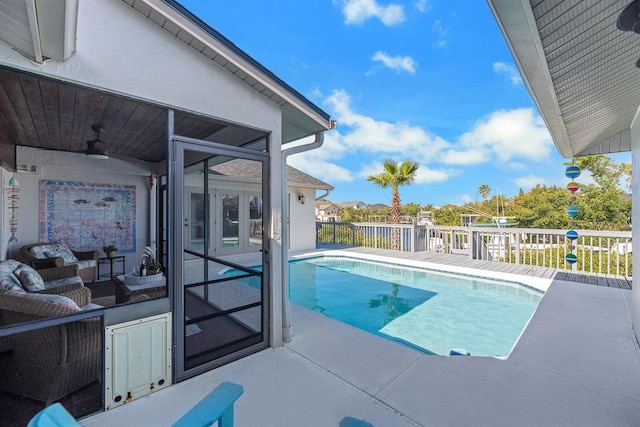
[605, 252]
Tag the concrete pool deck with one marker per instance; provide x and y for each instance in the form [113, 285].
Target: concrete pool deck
[577, 363]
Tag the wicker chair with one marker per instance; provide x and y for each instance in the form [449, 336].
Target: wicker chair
[87, 261]
[50, 276]
[50, 363]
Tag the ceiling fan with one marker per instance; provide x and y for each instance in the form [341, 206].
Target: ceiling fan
[92, 150]
[629, 18]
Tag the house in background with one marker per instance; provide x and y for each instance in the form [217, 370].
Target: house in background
[302, 189]
[327, 211]
[123, 126]
[378, 206]
[355, 205]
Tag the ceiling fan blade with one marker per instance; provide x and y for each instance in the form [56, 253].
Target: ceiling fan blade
[629, 18]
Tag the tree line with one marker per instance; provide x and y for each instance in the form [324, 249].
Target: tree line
[603, 204]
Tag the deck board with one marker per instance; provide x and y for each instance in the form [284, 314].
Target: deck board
[595, 279]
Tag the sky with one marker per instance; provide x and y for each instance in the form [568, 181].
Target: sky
[431, 81]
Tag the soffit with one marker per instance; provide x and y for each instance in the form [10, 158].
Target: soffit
[40, 29]
[16, 28]
[579, 68]
[300, 116]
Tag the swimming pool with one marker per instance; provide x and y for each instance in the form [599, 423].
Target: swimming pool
[428, 310]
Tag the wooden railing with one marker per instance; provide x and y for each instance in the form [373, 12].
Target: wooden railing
[605, 252]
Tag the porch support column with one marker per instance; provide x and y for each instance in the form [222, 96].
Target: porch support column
[635, 220]
[276, 246]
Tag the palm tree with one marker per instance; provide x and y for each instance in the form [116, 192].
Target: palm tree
[484, 189]
[394, 176]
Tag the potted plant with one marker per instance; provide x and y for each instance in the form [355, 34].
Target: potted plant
[151, 262]
[110, 250]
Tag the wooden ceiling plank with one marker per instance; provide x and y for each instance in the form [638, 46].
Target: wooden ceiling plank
[33, 95]
[118, 133]
[112, 122]
[151, 119]
[9, 122]
[79, 129]
[13, 90]
[51, 109]
[95, 114]
[66, 106]
[131, 130]
[8, 157]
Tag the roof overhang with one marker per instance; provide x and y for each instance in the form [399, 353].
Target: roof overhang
[40, 29]
[52, 106]
[579, 68]
[300, 117]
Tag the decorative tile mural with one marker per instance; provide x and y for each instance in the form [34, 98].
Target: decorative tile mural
[88, 216]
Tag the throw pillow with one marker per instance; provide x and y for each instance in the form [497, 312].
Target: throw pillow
[9, 283]
[7, 267]
[31, 280]
[67, 256]
[39, 251]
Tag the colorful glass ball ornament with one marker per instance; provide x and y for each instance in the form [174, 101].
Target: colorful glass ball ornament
[571, 258]
[573, 186]
[573, 211]
[572, 172]
[572, 234]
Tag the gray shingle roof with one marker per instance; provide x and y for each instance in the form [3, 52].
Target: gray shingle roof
[249, 170]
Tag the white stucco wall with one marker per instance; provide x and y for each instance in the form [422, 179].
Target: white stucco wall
[302, 226]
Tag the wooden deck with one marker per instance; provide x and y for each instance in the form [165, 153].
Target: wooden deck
[606, 280]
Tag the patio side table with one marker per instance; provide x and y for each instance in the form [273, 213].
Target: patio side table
[117, 261]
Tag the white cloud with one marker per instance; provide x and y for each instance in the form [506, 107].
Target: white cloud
[359, 145]
[358, 11]
[441, 34]
[529, 181]
[466, 156]
[503, 135]
[396, 63]
[509, 71]
[425, 175]
[421, 5]
[321, 163]
[516, 166]
[381, 137]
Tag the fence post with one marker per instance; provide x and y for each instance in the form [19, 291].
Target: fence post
[334, 233]
[353, 234]
[473, 244]
[517, 248]
[375, 236]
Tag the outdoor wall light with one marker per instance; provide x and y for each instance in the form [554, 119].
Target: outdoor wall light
[301, 198]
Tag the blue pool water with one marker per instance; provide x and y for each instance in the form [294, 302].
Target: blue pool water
[431, 311]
